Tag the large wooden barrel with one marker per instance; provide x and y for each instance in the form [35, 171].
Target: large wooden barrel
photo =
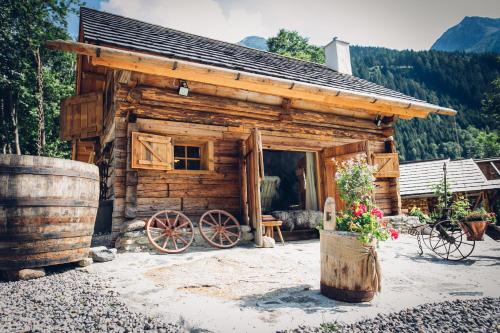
[47, 210]
[349, 270]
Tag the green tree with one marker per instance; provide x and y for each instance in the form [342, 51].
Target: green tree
[491, 105]
[291, 44]
[33, 79]
[469, 83]
[487, 144]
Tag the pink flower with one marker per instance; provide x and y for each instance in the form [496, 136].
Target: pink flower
[359, 210]
[394, 233]
[377, 212]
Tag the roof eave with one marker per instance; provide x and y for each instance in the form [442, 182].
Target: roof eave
[182, 69]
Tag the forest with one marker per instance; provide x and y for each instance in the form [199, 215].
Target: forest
[33, 80]
[469, 83]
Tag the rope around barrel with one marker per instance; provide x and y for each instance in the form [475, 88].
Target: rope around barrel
[347, 248]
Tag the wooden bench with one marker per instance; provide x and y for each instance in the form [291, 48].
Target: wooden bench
[268, 225]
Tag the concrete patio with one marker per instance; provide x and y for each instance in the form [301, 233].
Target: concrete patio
[246, 289]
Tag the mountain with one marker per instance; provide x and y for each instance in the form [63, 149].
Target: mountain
[254, 42]
[463, 81]
[472, 34]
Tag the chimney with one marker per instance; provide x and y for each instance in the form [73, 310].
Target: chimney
[338, 56]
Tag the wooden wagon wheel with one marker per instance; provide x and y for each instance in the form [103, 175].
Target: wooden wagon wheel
[449, 241]
[170, 231]
[220, 229]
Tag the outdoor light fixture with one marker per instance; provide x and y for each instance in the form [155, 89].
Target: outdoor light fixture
[378, 120]
[183, 88]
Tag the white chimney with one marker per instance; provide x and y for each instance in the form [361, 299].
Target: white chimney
[338, 56]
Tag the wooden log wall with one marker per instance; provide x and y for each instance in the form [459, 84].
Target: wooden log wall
[151, 104]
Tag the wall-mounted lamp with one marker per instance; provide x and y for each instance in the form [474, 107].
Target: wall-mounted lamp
[183, 88]
[378, 120]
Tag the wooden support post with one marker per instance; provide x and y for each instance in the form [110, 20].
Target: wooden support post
[243, 182]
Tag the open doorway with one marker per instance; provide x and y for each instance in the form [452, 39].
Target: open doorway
[289, 190]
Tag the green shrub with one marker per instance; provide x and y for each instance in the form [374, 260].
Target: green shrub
[422, 217]
[460, 207]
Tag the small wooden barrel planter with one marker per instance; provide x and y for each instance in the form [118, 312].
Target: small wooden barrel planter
[47, 210]
[350, 271]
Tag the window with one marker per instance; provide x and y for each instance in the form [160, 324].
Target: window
[187, 157]
[158, 152]
[193, 155]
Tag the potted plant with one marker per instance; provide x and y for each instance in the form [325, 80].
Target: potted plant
[475, 222]
[350, 269]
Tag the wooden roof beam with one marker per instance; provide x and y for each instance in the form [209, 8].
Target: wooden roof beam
[151, 64]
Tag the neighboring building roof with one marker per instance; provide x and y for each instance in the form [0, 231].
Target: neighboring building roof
[108, 29]
[489, 159]
[490, 167]
[418, 178]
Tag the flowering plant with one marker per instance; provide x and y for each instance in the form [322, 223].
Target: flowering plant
[422, 217]
[355, 184]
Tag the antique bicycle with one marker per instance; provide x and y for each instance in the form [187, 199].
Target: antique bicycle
[450, 240]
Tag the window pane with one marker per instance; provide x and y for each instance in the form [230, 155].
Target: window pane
[193, 152]
[193, 165]
[179, 164]
[179, 151]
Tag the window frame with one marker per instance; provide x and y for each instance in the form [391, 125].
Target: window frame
[206, 155]
[185, 157]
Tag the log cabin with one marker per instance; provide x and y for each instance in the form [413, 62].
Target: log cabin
[183, 122]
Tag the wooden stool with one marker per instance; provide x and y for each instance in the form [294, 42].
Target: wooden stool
[268, 223]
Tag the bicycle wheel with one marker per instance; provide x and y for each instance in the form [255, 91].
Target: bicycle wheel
[449, 241]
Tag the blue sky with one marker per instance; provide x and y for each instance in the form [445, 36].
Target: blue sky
[73, 19]
[398, 24]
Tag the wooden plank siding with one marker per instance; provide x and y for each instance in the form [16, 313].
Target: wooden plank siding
[148, 104]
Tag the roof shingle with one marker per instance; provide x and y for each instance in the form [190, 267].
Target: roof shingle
[418, 178]
[114, 30]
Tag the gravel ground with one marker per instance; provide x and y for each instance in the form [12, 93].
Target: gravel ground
[70, 301]
[482, 315]
[78, 301]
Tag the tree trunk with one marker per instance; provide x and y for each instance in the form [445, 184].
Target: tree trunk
[39, 96]
[3, 124]
[13, 123]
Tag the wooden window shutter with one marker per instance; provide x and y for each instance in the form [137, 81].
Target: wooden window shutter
[152, 152]
[82, 116]
[387, 165]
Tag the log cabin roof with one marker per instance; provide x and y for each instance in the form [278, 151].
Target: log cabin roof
[418, 178]
[103, 28]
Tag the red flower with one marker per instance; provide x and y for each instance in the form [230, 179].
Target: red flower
[377, 212]
[394, 233]
[359, 210]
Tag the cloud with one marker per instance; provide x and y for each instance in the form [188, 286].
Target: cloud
[399, 24]
[202, 17]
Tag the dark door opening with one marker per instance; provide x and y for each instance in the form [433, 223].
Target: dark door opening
[289, 182]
